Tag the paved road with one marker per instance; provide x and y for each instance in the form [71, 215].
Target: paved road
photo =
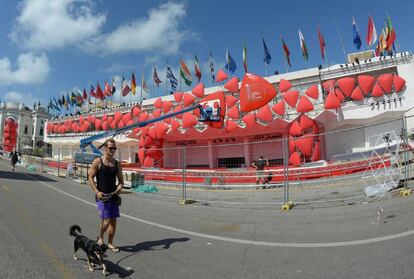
[161, 239]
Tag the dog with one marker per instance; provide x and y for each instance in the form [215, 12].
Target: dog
[93, 250]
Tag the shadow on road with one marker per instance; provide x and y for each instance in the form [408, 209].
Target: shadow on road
[150, 246]
[23, 176]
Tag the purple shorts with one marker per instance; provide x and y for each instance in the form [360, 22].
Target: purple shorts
[107, 209]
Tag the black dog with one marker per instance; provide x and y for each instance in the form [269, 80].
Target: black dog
[94, 251]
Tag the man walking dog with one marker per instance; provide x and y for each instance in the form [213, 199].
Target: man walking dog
[106, 170]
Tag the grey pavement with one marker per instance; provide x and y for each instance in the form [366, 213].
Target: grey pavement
[159, 238]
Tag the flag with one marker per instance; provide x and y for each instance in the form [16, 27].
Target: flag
[197, 70]
[356, 36]
[267, 58]
[230, 64]
[59, 102]
[68, 101]
[64, 101]
[382, 42]
[185, 73]
[99, 92]
[92, 92]
[172, 78]
[303, 47]
[372, 32]
[143, 83]
[107, 89]
[125, 88]
[211, 67]
[113, 88]
[244, 56]
[391, 36]
[133, 84]
[321, 43]
[85, 95]
[286, 51]
[155, 77]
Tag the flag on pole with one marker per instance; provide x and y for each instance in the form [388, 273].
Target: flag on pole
[64, 101]
[85, 95]
[211, 67]
[391, 36]
[113, 88]
[155, 77]
[107, 89]
[133, 84]
[321, 43]
[197, 70]
[286, 51]
[372, 32]
[143, 84]
[99, 92]
[303, 47]
[185, 73]
[230, 63]
[382, 42]
[172, 78]
[356, 36]
[244, 56]
[125, 88]
[267, 57]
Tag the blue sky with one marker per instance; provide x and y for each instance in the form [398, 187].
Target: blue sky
[51, 47]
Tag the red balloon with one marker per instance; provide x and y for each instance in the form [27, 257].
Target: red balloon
[230, 101]
[284, 85]
[386, 81]
[279, 108]
[233, 113]
[312, 92]
[158, 103]
[291, 97]
[232, 85]
[178, 96]
[198, 90]
[188, 99]
[304, 105]
[295, 129]
[255, 92]
[265, 114]
[399, 83]
[346, 85]
[366, 83]
[189, 120]
[294, 159]
[221, 76]
[231, 126]
[249, 120]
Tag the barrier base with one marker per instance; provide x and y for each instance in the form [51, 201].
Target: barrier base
[405, 192]
[183, 202]
[287, 206]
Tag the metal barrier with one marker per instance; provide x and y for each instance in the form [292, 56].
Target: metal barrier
[221, 173]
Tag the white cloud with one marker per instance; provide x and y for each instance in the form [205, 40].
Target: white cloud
[30, 68]
[158, 32]
[21, 98]
[48, 24]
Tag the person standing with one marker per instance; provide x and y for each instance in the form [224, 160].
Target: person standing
[14, 158]
[259, 166]
[106, 170]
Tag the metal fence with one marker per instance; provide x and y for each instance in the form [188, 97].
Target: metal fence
[356, 161]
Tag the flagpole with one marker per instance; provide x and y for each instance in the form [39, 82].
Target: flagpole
[283, 52]
[264, 60]
[396, 41]
[153, 85]
[340, 39]
[142, 83]
[166, 77]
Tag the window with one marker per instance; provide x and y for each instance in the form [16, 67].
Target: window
[41, 131]
[235, 162]
[26, 129]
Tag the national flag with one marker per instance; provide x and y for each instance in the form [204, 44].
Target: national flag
[356, 36]
[244, 56]
[68, 101]
[107, 89]
[172, 78]
[59, 102]
[211, 67]
[92, 92]
[99, 92]
[372, 32]
[197, 70]
[321, 43]
[143, 83]
[73, 98]
[382, 43]
[286, 51]
[113, 88]
[133, 84]
[85, 95]
[185, 73]
[155, 77]
[303, 47]
[267, 57]
[64, 101]
[230, 63]
[125, 88]
[391, 36]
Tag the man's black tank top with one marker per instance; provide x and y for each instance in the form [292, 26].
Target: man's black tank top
[106, 177]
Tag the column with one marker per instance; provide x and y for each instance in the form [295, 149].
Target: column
[210, 154]
[247, 153]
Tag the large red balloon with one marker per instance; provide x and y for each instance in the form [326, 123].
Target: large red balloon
[386, 81]
[312, 92]
[366, 83]
[189, 120]
[279, 108]
[255, 92]
[291, 97]
[265, 114]
[346, 85]
[233, 113]
[232, 85]
[178, 96]
[158, 103]
[188, 99]
[295, 129]
[284, 85]
[249, 120]
[230, 101]
[304, 105]
[332, 101]
[198, 90]
[399, 83]
[221, 76]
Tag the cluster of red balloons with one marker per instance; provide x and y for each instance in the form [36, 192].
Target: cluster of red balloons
[10, 134]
